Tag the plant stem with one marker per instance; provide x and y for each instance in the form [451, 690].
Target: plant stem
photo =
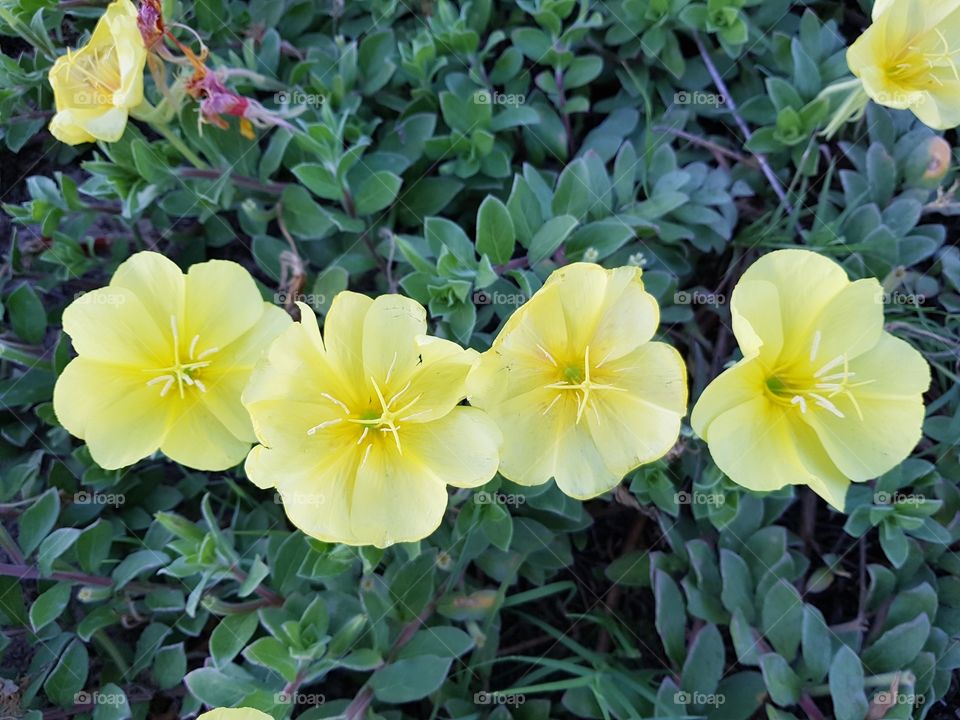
[180, 145]
[741, 123]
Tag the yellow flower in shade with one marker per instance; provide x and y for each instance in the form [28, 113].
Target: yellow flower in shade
[234, 714]
[163, 358]
[908, 59]
[578, 389]
[95, 87]
[823, 396]
[361, 430]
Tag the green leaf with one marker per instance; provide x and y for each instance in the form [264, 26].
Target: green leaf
[846, 686]
[111, 703]
[815, 639]
[27, 316]
[411, 679]
[37, 520]
[573, 195]
[703, 667]
[670, 617]
[304, 218]
[377, 191]
[229, 637]
[68, 676]
[93, 546]
[49, 605]
[169, 666]
[495, 234]
[781, 618]
[55, 545]
[549, 237]
[781, 681]
[443, 641]
[319, 180]
[270, 653]
[897, 648]
[137, 563]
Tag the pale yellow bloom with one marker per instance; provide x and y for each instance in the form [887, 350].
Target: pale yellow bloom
[576, 385]
[96, 86]
[163, 358]
[234, 714]
[361, 429]
[908, 59]
[823, 396]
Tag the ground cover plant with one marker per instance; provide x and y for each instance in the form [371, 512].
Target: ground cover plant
[536, 359]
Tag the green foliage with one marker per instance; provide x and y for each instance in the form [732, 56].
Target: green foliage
[458, 153]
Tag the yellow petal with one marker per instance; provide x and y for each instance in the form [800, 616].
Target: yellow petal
[435, 384]
[198, 440]
[112, 325]
[157, 282]
[851, 323]
[581, 289]
[891, 406]
[394, 499]
[390, 330]
[579, 469]
[222, 303]
[226, 379]
[763, 447]
[757, 320]
[533, 425]
[628, 317]
[343, 336]
[64, 127]
[805, 281]
[461, 449]
[234, 714]
[121, 419]
[316, 488]
[733, 387]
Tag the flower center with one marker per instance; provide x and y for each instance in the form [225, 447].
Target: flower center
[386, 419]
[95, 75]
[915, 64]
[808, 390]
[183, 374]
[578, 380]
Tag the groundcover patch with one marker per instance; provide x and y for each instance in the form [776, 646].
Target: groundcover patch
[538, 359]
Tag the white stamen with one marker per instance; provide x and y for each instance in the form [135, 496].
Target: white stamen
[838, 360]
[801, 401]
[211, 351]
[366, 454]
[321, 426]
[549, 356]
[390, 369]
[827, 405]
[401, 392]
[203, 388]
[815, 346]
[363, 435]
[332, 399]
[550, 406]
[193, 345]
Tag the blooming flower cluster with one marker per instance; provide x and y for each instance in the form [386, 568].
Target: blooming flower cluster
[361, 428]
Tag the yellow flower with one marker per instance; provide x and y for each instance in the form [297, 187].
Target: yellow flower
[823, 396]
[907, 59]
[234, 714]
[95, 87]
[162, 361]
[577, 387]
[361, 430]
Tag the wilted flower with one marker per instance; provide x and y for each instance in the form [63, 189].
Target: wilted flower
[361, 430]
[163, 358]
[576, 385]
[823, 396]
[95, 87]
[907, 59]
